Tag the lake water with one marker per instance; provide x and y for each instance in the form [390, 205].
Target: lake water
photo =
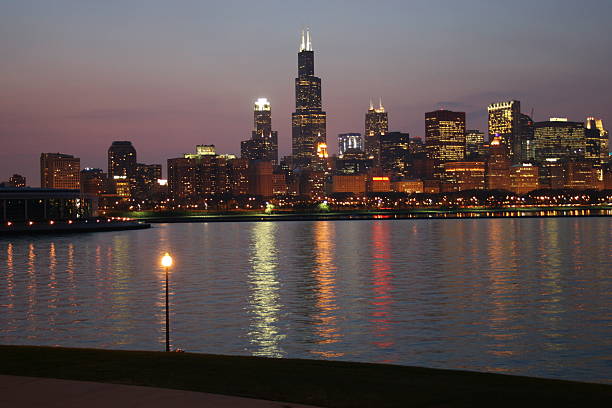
[519, 296]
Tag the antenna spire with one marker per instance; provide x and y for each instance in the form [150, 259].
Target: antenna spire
[306, 43]
[371, 104]
[308, 40]
[380, 102]
[302, 43]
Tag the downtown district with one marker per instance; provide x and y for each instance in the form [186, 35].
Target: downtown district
[520, 162]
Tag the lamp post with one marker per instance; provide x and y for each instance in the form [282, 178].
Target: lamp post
[166, 262]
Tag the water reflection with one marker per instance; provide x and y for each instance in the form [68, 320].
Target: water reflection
[523, 295]
[382, 283]
[324, 271]
[264, 299]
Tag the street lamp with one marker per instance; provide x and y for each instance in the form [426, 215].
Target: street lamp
[166, 262]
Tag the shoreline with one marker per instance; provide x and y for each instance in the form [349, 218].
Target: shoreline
[316, 382]
[478, 213]
[70, 228]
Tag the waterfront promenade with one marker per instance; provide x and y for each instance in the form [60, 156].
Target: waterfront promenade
[297, 381]
[53, 393]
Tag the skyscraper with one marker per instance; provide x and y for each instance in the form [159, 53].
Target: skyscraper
[93, 181]
[474, 144]
[349, 141]
[395, 154]
[263, 144]
[597, 140]
[59, 171]
[444, 138]
[526, 139]
[559, 138]
[376, 124]
[497, 172]
[308, 120]
[121, 160]
[504, 118]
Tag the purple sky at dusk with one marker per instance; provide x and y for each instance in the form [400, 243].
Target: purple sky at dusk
[167, 75]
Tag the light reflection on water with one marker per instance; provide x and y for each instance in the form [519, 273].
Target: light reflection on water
[520, 296]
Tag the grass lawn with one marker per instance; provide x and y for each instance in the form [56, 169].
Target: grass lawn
[323, 383]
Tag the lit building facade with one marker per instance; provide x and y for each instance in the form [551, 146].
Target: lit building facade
[504, 121]
[444, 138]
[524, 178]
[597, 149]
[376, 124]
[462, 176]
[146, 179]
[552, 173]
[93, 181]
[348, 183]
[526, 140]
[260, 178]
[348, 141]
[408, 186]
[395, 154]
[581, 175]
[474, 143]
[17, 180]
[497, 175]
[263, 144]
[309, 121]
[121, 160]
[559, 138]
[353, 162]
[59, 170]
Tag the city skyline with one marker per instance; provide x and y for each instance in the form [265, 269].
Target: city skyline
[83, 123]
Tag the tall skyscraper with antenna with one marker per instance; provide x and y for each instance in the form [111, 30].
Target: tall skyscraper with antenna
[376, 124]
[309, 120]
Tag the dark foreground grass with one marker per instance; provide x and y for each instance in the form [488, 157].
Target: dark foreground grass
[323, 383]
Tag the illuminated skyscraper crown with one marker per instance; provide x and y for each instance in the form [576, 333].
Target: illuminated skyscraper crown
[262, 104]
[306, 44]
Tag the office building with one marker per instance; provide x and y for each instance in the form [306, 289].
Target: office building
[462, 176]
[474, 144]
[524, 178]
[260, 178]
[121, 160]
[353, 162]
[376, 124]
[348, 183]
[309, 120]
[146, 179]
[526, 140]
[408, 186]
[559, 138]
[444, 138]
[263, 144]
[17, 180]
[348, 141]
[395, 154]
[597, 149]
[504, 122]
[59, 171]
[552, 173]
[497, 175]
[93, 181]
[581, 175]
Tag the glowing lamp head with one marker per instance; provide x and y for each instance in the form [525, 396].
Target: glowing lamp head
[166, 260]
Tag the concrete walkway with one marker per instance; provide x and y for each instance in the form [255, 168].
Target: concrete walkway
[47, 392]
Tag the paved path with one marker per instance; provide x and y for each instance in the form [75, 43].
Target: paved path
[16, 392]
